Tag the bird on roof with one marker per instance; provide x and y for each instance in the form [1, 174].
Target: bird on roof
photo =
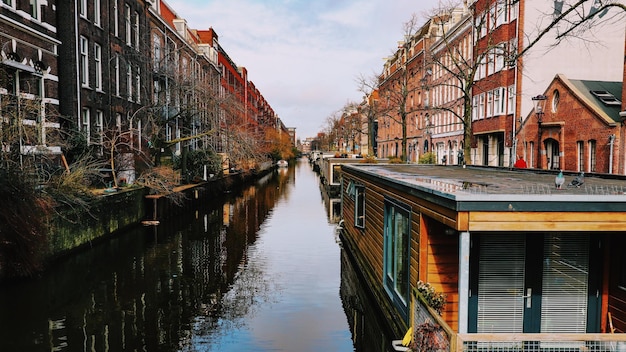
[559, 180]
[577, 181]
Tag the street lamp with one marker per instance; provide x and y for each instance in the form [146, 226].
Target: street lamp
[539, 102]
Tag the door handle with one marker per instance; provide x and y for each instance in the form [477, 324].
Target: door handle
[528, 297]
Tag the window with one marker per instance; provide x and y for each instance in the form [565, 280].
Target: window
[359, 206]
[490, 104]
[397, 236]
[475, 107]
[116, 26]
[118, 121]
[116, 67]
[137, 30]
[83, 8]
[85, 124]
[592, 156]
[8, 2]
[99, 130]
[497, 102]
[97, 55]
[555, 100]
[511, 100]
[35, 9]
[128, 25]
[138, 84]
[581, 154]
[97, 15]
[481, 106]
[84, 61]
[156, 47]
[129, 82]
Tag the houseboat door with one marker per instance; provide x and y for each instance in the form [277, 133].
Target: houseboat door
[531, 283]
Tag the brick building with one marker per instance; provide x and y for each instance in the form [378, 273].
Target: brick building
[509, 75]
[29, 89]
[579, 128]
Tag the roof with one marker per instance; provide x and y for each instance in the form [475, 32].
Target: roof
[476, 188]
[586, 88]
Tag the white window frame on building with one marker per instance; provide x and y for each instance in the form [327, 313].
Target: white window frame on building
[97, 12]
[82, 10]
[84, 61]
[97, 55]
[85, 124]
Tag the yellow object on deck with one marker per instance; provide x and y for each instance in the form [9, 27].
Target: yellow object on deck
[407, 337]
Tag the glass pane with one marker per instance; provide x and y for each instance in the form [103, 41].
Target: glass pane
[501, 284]
[565, 277]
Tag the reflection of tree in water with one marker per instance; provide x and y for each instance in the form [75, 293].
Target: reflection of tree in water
[243, 284]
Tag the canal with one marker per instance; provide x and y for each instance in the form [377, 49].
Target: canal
[258, 269]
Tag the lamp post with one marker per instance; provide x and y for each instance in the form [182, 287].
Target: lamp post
[539, 102]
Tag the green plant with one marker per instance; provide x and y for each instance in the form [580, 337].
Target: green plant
[395, 160]
[436, 300]
[427, 158]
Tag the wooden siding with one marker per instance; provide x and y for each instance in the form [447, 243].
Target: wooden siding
[547, 221]
[439, 254]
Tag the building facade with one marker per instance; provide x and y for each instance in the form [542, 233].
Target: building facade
[29, 82]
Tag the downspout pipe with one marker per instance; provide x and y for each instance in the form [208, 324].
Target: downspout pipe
[611, 146]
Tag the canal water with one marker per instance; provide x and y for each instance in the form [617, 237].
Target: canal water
[259, 269]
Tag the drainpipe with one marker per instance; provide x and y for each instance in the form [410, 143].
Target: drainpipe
[611, 144]
[77, 54]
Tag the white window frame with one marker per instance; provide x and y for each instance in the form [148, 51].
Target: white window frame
[511, 100]
[138, 83]
[9, 3]
[129, 82]
[497, 102]
[97, 56]
[117, 75]
[127, 24]
[475, 108]
[116, 19]
[100, 129]
[97, 13]
[490, 103]
[84, 61]
[35, 12]
[85, 124]
[137, 30]
[481, 106]
[82, 8]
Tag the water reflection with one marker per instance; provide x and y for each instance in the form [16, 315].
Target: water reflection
[255, 270]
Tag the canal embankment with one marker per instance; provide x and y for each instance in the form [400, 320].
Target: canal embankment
[73, 228]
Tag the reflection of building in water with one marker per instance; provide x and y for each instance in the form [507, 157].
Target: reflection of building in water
[363, 315]
[332, 205]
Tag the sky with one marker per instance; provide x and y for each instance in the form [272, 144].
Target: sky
[305, 56]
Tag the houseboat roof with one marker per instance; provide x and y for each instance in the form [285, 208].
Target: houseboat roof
[474, 188]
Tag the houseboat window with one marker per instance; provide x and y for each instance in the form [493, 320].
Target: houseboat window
[397, 235]
[359, 207]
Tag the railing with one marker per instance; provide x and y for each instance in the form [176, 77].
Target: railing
[541, 342]
[431, 333]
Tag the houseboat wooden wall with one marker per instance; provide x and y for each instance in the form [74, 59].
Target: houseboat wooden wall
[429, 245]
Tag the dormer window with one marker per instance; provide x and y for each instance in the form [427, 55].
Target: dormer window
[606, 98]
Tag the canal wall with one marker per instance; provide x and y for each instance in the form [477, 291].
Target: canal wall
[72, 228]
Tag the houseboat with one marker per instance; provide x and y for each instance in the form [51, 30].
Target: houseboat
[523, 264]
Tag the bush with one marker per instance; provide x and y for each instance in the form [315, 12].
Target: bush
[436, 300]
[196, 159]
[428, 158]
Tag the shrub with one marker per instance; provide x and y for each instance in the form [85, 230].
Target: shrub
[428, 158]
[436, 300]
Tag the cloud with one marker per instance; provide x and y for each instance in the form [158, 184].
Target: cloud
[304, 56]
